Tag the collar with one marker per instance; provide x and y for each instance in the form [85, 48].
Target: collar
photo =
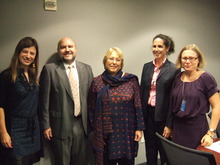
[66, 65]
[160, 65]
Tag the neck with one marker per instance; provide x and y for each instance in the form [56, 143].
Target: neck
[190, 76]
[25, 71]
[159, 61]
[190, 73]
[25, 68]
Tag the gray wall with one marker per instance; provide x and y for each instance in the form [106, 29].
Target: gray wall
[96, 25]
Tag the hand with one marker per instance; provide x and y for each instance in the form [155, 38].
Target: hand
[207, 140]
[167, 132]
[138, 135]
[48, 133]
[6, 140]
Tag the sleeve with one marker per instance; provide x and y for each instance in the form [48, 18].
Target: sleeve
[44, 98]
[92, 96]
[90, 74]
[210, 85]
[137, 105]
[169, 120]
[5, 82]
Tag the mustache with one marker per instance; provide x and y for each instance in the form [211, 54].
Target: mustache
[68, 52]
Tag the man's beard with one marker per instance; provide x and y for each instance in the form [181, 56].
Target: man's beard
[68, 61]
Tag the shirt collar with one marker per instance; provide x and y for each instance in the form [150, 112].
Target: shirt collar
[161, 64]
[66, 65]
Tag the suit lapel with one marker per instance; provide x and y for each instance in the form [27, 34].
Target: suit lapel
[163, 69]
[151, 70]
[63, 77]
[81, 74]
[80, 70]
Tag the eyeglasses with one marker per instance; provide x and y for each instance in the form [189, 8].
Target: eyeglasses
[191, 59]
[114, 59]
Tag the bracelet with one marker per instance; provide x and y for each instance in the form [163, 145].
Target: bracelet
[210, 136]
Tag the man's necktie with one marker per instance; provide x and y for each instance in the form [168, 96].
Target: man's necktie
[75, 91]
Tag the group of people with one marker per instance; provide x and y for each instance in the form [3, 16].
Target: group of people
[99, 120]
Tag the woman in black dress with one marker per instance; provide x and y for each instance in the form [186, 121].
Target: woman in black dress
[19, 128]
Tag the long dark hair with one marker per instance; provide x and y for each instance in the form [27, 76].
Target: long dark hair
[25, 42]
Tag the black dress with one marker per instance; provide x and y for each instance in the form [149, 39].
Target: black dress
[19, 101]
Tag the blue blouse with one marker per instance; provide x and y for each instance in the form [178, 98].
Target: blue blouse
[19, 101]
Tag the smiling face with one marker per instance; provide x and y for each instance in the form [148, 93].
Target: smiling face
[113, 63]
[27, 56]
[189, 60]
[159, 49]
[67, 50]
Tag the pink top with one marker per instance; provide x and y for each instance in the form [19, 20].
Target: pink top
[152, 97]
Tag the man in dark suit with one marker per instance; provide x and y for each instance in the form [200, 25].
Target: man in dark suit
[66, 131]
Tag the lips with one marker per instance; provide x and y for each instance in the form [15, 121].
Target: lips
[157, 54]
[27, 60]
[68, 54]
[114, 67]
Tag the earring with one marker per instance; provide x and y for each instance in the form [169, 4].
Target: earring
[33, 65]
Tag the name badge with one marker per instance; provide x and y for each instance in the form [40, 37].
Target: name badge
[183, 105]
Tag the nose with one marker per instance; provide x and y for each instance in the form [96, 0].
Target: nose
[114, 61]
[28, 54]
[155, 49]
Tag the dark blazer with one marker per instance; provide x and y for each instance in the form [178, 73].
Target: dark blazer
[163, 88]
[56, 103]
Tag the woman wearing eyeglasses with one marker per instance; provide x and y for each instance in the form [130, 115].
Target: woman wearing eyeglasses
[192, 94]
[115, 112]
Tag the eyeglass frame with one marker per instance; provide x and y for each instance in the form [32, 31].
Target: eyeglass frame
[191, 59]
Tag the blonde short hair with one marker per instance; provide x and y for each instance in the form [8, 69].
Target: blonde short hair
[110, 51]
[194, 48]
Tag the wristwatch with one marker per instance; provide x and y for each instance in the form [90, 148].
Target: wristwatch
[212, 130]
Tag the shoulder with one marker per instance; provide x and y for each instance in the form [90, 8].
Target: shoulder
[148, 64]
[97, 78]
[171, 67]
[170, 64]
[207, 77]
[82, 64]
[51, 65]
[5, 77]
[207, 74]
[147, 67]
[130, 76]
[5, 73]
[209, 83]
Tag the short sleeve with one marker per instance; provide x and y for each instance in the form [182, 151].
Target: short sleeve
[210, 84]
